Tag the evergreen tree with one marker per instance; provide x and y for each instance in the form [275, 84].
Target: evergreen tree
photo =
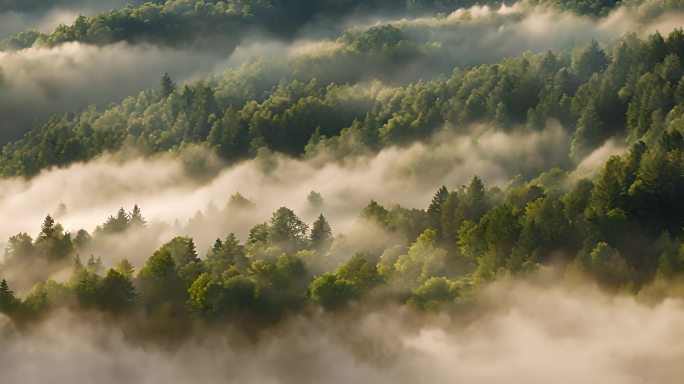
[125, 268]
[589, 132]
[116, 293]
[116, 224]
[136, 218]
[8, 302]
[167, 86]
[225, 255]
[321, 233]
[47, 230]
[475, 200]
[589, 60]
[436, 208]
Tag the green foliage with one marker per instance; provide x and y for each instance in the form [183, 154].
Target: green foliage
[423, 260]
[9, 304]
[435, 209]
[226, 255]
[287, 229]
[621, 227]
[331, 292]
[321, 234]
[606, 264]
[595, 92]
[185, 260]
[433, 293]
[671, 262]
[222, 297]
[350, 281]
[159, 284]
[590, 7]
[623, 230]
[116, 293]
[125, 268]
[280, 286]
[166, 86]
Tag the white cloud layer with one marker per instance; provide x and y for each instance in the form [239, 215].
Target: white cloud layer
[519, 334]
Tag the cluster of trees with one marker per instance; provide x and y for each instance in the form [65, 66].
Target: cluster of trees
[170, 22]
[631, 88]
[122, 221]
[624, 229]
[28, 6]
[173, 22]
[591, 7]
[180, 21]
[54, 248]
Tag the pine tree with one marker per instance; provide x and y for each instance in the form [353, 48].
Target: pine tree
[47, 230]
[590, 60]
[8, 302]
[167, 86]
[226, 254]
[321, 233]
[589, 132]
[118, 223]
[136, 218]
[116, 292]
[475, 199]
[435, 209]
[125, 268]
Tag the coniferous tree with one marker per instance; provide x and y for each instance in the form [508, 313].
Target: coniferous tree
[135, 218]
[435, 209]
[167, 86]
[8, 302]
[116, 293]
[321, 233]
[47, 230]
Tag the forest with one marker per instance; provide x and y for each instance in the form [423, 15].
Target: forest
[401, 180]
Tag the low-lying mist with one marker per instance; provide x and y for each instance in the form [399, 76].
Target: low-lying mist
[516, 333]
[169, 188]
[37, 82]
[45, 15]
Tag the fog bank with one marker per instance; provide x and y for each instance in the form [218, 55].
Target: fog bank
[517, 333]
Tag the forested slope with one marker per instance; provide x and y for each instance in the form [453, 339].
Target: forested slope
[178, 21]
[626, 88]
[356, 95]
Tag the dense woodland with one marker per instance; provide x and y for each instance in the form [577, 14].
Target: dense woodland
[177, 21]
[622, 228]
[632, 88]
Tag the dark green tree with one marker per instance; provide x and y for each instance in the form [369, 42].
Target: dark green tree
[436, 208]
[166, 86]
[116, 293]
[321, 234]
[9, 304]
[286, 229]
